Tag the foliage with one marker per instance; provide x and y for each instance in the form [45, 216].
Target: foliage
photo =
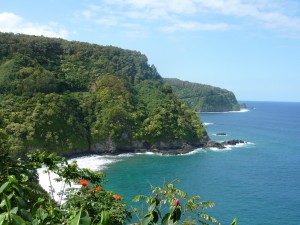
[114, 108]
[23, 202]
[169, 205]
[44, 120]
[93, 199]
[31, 64]
[171, 121]
[203, 98]
[74, 97]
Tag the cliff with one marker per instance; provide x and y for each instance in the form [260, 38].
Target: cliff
[75, 97]
[203, 98]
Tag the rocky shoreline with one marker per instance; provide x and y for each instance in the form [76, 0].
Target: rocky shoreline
[164, 151]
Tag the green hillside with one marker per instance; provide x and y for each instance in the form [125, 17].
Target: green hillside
[74, 97]
[203, 98]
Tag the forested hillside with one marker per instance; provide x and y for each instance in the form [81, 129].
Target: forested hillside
[73, 97]
[203, 98]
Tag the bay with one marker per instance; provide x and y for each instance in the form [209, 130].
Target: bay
[259, 182]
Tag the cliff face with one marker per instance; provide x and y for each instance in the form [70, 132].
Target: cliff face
[75, 97]
[203, 98]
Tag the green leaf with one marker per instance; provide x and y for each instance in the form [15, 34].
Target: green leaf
[177, 214]
[24, 178]
[40, 213]
[234, 222]
[25, 215]
[82, 218]
[12, 179]
[18, 220]
[165, 220]
[139, 198]
[2, 217]
[155, 217]
[7, 203]
[2, 204]
[151, 207]
[40, 200]
[76, 219]
[105, 216]
[21, 202]
[147, 219]
[4, 186]
[172, 208]
[14, 210]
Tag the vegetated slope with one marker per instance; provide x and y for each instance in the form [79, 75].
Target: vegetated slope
[73, 96]
[203, 98]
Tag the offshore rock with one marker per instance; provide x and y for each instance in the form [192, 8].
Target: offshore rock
[233, 142]
[221, 145]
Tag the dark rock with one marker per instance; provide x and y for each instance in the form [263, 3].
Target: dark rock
[214, 144]
[233, 142]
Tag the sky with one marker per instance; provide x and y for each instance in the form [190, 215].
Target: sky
[250, 47]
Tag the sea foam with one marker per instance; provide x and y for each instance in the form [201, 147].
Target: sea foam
[240, 111]
[92, 162]
[207, 124]
[230, 147]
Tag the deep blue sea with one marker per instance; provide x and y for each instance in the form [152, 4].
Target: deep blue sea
[259, 183]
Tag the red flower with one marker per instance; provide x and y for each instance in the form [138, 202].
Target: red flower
[176, 202]
[84, 183]
[99, 188]
[91, 190]
[117, 197]
[156, 195]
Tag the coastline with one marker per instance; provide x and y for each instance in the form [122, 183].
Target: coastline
[166, 151]
[74, 154]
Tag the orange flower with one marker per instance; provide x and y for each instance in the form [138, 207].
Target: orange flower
[99, 188]
[91, 190]
[84, 183]
[117, 197]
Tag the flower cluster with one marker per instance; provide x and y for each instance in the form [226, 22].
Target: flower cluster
[117, 197]
[84, 183]
[97, 188]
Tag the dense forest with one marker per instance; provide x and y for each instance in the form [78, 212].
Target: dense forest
[203, 98]
[70, 96]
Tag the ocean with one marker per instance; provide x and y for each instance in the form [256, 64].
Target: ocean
[257, 182]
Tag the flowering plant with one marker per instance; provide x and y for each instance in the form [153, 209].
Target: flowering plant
[166, 207]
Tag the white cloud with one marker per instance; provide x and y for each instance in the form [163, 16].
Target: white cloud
[107, 21]
[199, 15]
[10, 22]
[195, 26]
[265, 12]
[87, 14]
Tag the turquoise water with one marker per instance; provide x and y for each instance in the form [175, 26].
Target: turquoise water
[259, 183]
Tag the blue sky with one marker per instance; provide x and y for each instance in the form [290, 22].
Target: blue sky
[250, 47]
